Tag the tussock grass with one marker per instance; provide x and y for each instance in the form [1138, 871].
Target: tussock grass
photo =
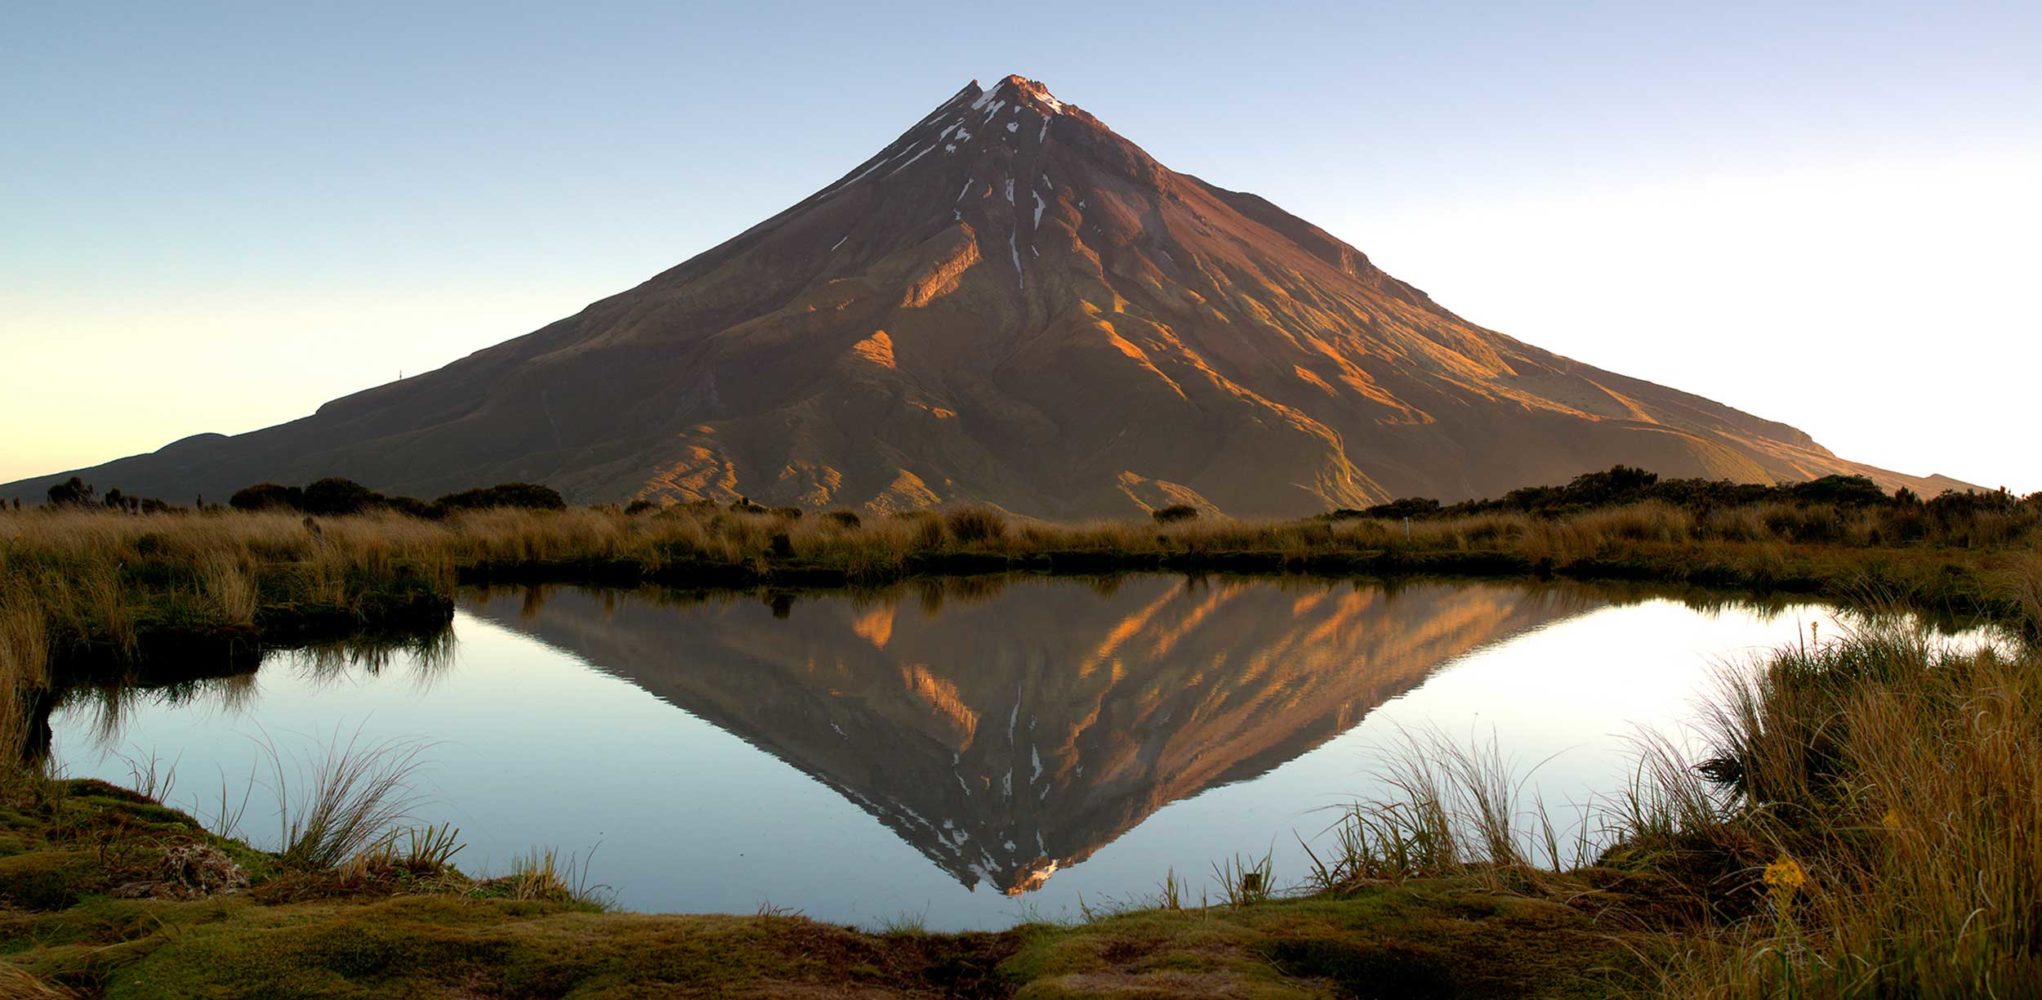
[905, 923]
[94, 584]
[543, 875]
[350, 801]
[19, 984]
[1896, 789]
[1452, 809]
[430, 846]
[1866, 821]
[1170, 895]
[24, 667]
[150, 777]
[1244, 881]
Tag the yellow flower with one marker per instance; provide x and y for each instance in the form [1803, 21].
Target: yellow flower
[1785, 874]
[1891, 821]
[1785, 877]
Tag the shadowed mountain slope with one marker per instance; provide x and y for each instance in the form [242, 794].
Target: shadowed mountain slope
[1009, 303]
[1003, 762]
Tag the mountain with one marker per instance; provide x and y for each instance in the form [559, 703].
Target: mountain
[1004, 761]
[1010, 303]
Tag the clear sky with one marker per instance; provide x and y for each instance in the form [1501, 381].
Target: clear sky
[214, 217]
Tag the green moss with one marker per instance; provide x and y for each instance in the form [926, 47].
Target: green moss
[449, 946]
[1419, 940]
[290, 937]
[50, 880]
[12, 843]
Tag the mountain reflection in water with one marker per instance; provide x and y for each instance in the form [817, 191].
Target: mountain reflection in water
[1007, 728]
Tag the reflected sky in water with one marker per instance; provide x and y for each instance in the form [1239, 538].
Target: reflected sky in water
[972, 753]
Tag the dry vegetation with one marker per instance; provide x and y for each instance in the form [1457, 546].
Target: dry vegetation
[1892, 790]
[1866, 822]
[1863, 823]
[97, 586]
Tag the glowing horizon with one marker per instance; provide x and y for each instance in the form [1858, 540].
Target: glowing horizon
[221, 218]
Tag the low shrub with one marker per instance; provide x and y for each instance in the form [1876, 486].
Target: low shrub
[975, 524]
[523, 496]
[267, 496]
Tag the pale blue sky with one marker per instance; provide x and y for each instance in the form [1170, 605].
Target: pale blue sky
[217, 216]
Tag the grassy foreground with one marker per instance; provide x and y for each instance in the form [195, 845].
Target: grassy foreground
[1864, 823]
[1873, 826]
[101, 898]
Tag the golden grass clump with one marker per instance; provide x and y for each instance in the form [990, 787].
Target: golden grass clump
[24, 668]
[353, 800]
[1869, 824]
[972, 525]
[1899, 786]
[101, 578]
[541, 874]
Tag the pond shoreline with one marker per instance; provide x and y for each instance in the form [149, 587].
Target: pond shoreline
[1953, 584]
[71, 853]
[103, 897]
[124, 922]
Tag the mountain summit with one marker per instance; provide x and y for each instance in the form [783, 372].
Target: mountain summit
[1009, 303]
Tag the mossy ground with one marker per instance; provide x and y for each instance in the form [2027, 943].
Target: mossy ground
[105, 893]
[1436, 938]
[71, 850]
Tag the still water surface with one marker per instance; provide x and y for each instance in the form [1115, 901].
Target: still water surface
[967, 754]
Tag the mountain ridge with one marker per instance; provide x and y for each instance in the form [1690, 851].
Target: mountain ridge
[1010, 303]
